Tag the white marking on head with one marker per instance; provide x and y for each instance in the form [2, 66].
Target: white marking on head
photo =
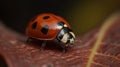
[72, 40]
[65, 25]
[62, 32]
[72, 34]
[64, 39]
[59, 27]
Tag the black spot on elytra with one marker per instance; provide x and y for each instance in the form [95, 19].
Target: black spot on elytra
[34, 25]
[60, 24]
[46, 17]
[45, 29]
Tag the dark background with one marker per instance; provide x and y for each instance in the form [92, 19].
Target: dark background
[17, 13]
[83, 15]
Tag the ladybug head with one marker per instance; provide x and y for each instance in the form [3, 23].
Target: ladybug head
[66, 36]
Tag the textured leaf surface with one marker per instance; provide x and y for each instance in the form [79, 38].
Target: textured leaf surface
[18, 53]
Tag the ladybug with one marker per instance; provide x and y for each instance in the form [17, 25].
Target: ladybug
[49, 26]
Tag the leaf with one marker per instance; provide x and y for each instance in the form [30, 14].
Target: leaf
[108, 57]
[97, 48]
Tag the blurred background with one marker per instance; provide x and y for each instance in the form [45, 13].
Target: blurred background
[83, 15]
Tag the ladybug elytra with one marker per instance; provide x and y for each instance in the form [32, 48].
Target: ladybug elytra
[48, 26]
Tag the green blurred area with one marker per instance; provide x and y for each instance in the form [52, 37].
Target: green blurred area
[86, 15]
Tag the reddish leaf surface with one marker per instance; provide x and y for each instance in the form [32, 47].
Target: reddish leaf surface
[17, 53]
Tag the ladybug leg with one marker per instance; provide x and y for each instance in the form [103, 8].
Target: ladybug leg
[29, 39]
[43, 45]
[64, 50]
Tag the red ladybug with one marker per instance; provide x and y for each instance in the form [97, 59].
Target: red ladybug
[48, 26]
